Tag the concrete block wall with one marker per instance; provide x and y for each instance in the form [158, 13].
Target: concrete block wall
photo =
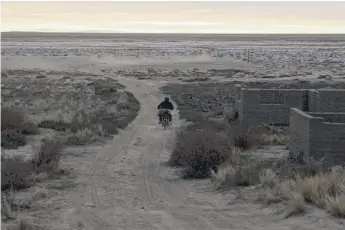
[271, 106]
[330, 100]
[313, 99]
[316, 118]
[314, 137]
[299, 132]
[238, 89]
[329, 116]
[327, 139]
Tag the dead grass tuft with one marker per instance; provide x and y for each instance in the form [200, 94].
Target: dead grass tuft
[296, 205]
[230, 175]
[325, 189]
[336, 204]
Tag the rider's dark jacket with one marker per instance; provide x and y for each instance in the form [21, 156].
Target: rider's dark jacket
[165, 105]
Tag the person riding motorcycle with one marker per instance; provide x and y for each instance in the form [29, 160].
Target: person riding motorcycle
[164, 108]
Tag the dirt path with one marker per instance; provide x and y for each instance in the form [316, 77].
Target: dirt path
[130, 187]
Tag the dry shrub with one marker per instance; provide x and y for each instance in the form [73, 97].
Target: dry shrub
[179, 153]
[11, 119]
[206, 145]
[244, 137]
[81, 137]
[246, 171]
[247, 137]
[200, 151]
[14, 127]
[269, 178]
[269, 197]
[183, 143]
[251, 136]
[12, 138]
[12, 122]
[308, 166]
[197, 79]
[296, 205]
[7, 205]
[26, 225]
[55, 125]
[215, 126]
[47, 156]
[16, 173]
[226, 176]
[275, 139]
[310, 181]
[4, 74]
[11, 205]
[288, 167]
[325, 190]
[30, 128]
[84, 128]
[274, 135]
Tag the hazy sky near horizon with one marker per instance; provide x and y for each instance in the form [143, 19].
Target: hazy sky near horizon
[174, 17]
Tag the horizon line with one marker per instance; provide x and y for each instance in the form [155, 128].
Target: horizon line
[200, 33]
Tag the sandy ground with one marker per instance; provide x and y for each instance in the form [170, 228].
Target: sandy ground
[125, 184]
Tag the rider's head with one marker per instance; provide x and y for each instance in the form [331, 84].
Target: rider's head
[166, 99]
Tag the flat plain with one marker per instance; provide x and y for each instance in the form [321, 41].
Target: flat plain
[98, 94]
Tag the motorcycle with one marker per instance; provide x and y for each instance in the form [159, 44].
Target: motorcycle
[165, 121]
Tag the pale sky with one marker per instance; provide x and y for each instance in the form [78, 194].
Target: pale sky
[174, 17]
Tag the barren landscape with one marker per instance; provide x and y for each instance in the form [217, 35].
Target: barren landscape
[89, 102]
